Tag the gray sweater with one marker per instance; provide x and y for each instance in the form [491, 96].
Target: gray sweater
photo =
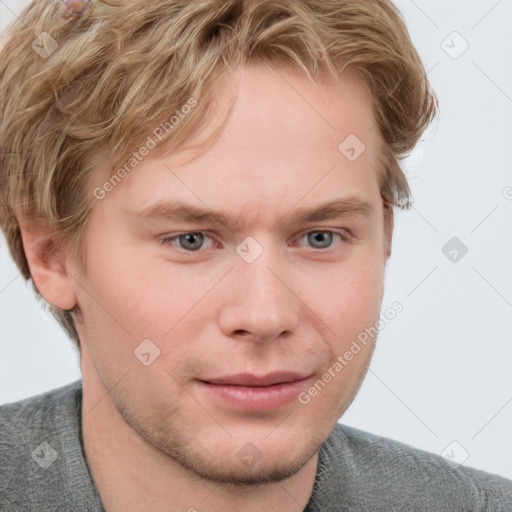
[43, 467]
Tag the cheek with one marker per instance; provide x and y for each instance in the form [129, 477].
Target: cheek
[123, 281]
[353, 306]
[355, 294]
[145, 299]
[127, 308]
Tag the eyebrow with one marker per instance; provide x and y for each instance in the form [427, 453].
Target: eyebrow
[185, 212]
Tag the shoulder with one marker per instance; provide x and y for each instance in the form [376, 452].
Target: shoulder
[42, 464]
[37, 417]
[364, 471]
[38, 406]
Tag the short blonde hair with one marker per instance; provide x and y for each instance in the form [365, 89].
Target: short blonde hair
[122, 69]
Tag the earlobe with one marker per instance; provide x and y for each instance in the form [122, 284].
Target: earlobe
[47, 264]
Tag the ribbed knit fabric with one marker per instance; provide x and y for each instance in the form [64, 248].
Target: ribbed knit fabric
[43, 467]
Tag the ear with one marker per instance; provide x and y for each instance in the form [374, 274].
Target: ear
[389, 224]
[48, 263]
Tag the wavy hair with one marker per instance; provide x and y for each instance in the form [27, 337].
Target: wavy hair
[109, 77]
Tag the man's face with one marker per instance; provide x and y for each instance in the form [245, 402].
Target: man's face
[263, 294]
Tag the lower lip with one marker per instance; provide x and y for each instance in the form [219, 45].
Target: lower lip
[256, 398]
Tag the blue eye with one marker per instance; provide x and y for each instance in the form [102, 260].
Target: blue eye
[194, 241]
[321, 239]
[191, 241]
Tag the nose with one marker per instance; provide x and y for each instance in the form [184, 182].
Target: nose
[259, 304]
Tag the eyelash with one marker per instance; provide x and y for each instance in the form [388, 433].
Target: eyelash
[343, 235]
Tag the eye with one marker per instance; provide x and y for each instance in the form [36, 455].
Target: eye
[190, 241]
[193, 241]
[320, 239]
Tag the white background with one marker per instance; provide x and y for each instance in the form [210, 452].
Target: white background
[442, 368]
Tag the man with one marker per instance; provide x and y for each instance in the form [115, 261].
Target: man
[203, 193]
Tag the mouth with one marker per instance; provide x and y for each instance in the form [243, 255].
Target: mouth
[250, 380]
[255, 392]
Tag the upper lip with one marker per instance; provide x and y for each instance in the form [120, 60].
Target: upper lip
[247, 379]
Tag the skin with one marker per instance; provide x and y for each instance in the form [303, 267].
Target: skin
[154, 438]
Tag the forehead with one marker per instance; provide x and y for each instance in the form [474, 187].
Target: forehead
[280, 114]
[286, 138]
